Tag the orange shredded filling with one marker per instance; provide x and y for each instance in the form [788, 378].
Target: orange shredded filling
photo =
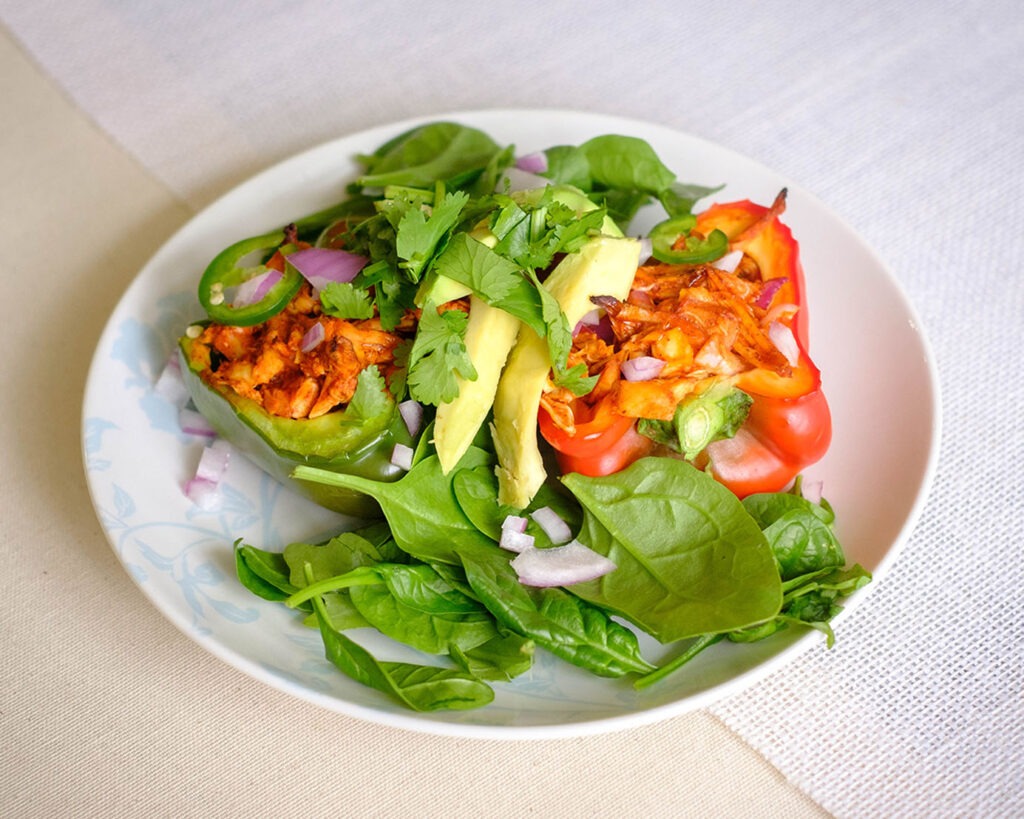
[701, 321]
[266, 363]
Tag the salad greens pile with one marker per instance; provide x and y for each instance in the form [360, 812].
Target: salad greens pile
[695, 565]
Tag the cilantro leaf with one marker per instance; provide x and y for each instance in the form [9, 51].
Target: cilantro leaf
[371, 397]
[438, 355]
[346, 301]
[491, 276]
[559, 338]
[421, 237]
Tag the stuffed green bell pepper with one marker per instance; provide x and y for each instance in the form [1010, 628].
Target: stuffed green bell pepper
[300, 386]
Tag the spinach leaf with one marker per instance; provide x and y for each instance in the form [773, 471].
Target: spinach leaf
[704, 567]
[565, 625]
[679, 198]
[476, 491]
[423, 155]
[425, 518]
[263, 573]
[428, 632]
[501, 658]
[798, 531]
[626, 163]
[338, 556]
[422, 688]
[568, 165]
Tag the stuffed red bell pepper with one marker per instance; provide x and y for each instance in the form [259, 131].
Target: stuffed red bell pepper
[706, 359]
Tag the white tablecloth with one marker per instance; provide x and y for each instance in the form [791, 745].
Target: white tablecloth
[907, 120]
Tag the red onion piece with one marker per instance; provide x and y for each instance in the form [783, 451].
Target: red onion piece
[170, 384]
[590, 320]
[768, 291]
[536, 162]
[515, 523]
[782, 338]
[515, 541]
[780, 311]
[253, 290]
[204, 487]
[642, 368]
[204, 494]
[193, 423]
[401, 456]
[322, 265]
[811, 490]
[312, 338]
[552, 525]
[412, 413]
[730, 261]
[561, 566]
[520, 180]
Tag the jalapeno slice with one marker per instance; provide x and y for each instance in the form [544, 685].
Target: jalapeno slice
[673, 242]
[226, 271]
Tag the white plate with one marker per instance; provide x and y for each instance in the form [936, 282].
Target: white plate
[879, 376]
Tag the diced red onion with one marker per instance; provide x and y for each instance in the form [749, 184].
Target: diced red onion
[204, 494]
[312, 338]
[780, 311]
[730, 261]
[170, 383]
[598, 323]
[515, 523]
[782, 337]
[515, 541]
[253, 290]
[401, 456]
[520, 180]
[204, 487]
[771, 287]
[412, 413]
[561, 566]
[552, 525]
[642, 368]
[193, 423]
[591, 320]
[533, 163]
[213, 463]
[811, 490]
[323, 265]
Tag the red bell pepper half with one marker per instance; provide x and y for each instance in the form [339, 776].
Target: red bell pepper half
[788, 426]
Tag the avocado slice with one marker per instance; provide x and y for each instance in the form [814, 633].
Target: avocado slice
[490, 334]
[605, 266]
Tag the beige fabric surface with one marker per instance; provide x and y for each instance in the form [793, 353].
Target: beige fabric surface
[106, 709]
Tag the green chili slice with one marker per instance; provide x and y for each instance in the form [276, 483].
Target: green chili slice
[694, 249]
[226, 271]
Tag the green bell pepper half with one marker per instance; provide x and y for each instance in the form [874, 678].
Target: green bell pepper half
[277, 445]
[226, 270]
[696, 249]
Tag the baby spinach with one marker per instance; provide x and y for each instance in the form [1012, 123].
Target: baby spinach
[501, 658]
[810, 562]
[567, 626]
[425, 518]
[704, 567]
[263, 573]
[421, 156]
[422, 688]
[799, 532]
[476, 491]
